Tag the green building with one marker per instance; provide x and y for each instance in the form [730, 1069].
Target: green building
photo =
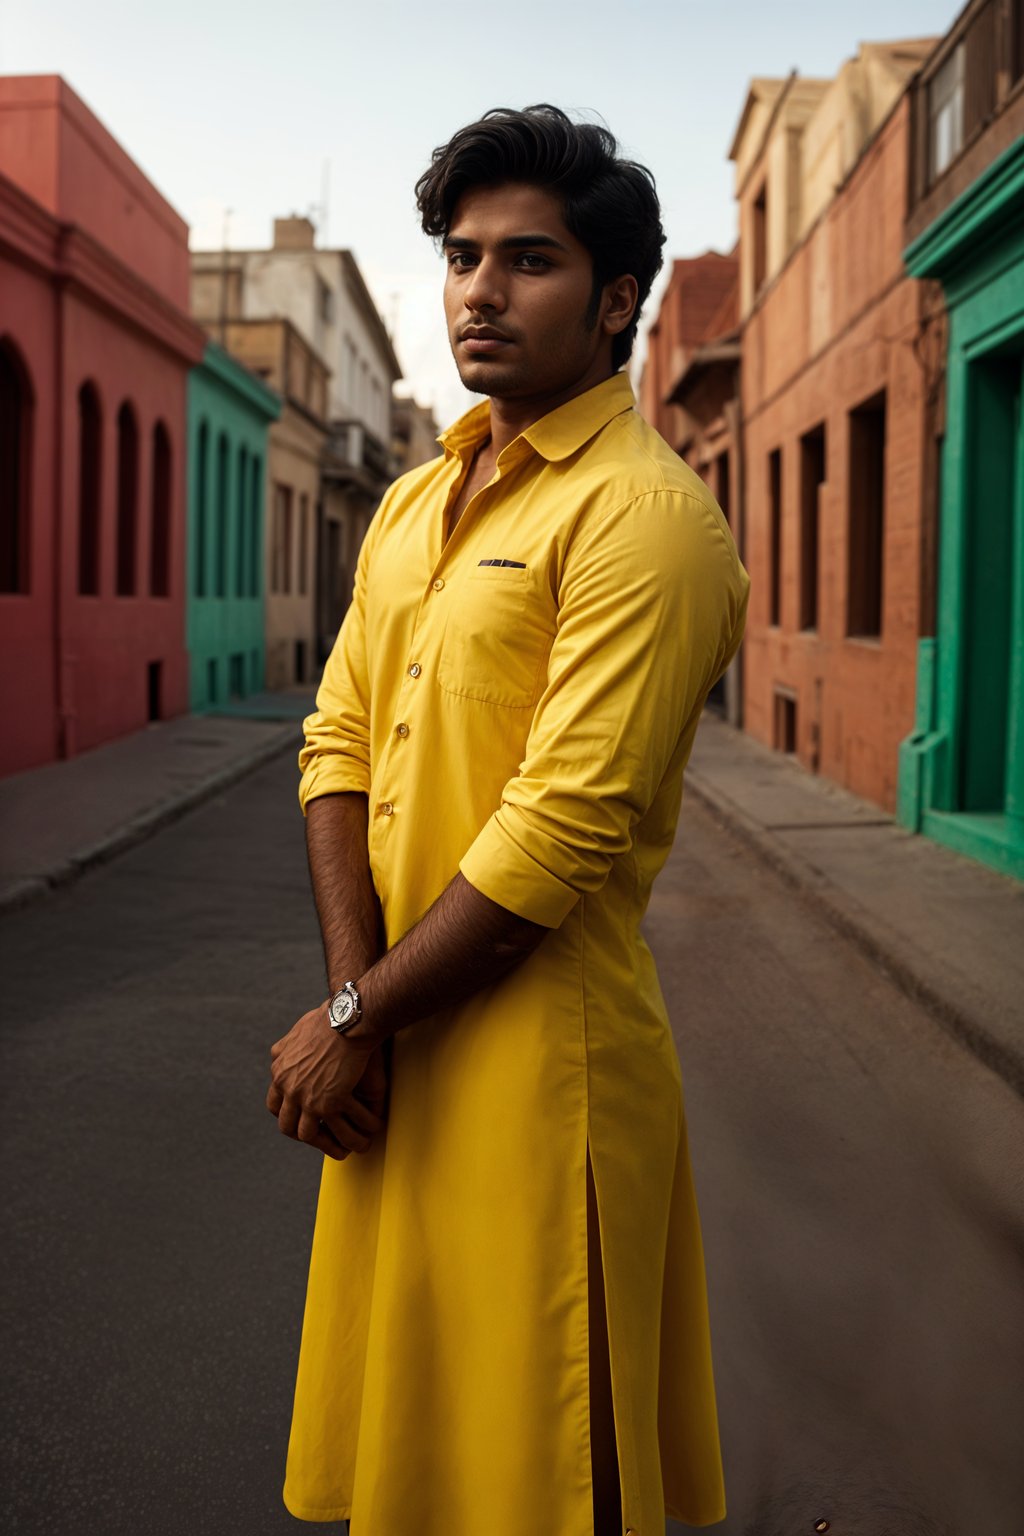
[961, 772]
[229, 414]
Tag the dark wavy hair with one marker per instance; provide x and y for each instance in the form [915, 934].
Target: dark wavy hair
[610, 204]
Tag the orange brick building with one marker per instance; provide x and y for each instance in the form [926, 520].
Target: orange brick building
[690, 392]
[839, 419]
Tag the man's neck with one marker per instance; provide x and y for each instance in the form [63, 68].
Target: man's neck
[511, 417]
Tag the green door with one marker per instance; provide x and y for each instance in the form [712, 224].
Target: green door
[991, 779]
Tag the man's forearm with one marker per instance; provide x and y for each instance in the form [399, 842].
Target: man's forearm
[464, 943]
[346, 902]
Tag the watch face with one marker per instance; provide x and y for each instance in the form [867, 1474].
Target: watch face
[342, 1009]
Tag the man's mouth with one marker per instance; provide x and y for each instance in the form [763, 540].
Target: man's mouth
[482, 339]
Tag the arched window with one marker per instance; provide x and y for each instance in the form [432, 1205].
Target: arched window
[15, 458]
[90, 471]
[220, 580]
[160, 514]
[241, 532]
[255, 525]
[127, 500]
[202, 525]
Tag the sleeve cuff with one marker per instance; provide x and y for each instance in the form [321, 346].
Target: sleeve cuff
[337, 776]
[499, 868]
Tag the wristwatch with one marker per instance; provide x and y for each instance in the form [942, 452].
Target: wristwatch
[345, 1008]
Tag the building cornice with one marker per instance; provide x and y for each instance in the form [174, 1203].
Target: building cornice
[28, 233]
[89, 271]
[65, 255]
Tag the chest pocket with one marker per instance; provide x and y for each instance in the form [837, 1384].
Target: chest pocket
[497, 638]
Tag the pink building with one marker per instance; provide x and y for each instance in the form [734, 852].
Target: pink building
[95, 347]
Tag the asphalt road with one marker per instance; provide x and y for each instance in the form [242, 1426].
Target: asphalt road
[860, 1183]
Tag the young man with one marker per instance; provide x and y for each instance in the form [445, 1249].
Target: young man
[506, 1326]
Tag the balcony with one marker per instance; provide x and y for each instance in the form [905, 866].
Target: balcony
[966, 106]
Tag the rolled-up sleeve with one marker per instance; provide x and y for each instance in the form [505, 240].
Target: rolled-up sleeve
[335, 756]
[652, 604]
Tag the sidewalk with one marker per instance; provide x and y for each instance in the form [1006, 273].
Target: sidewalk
[59, 820]
[949, 931]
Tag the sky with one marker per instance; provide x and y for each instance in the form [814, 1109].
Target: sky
[240, 114]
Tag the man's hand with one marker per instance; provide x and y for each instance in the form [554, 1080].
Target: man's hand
[315, 1073]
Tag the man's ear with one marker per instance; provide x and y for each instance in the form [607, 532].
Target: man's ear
[619, 304]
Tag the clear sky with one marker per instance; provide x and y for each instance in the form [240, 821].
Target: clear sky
[241, 107]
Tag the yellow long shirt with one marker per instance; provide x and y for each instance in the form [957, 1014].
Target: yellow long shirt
[519, 702]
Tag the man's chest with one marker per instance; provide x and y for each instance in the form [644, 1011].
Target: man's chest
[477, 614]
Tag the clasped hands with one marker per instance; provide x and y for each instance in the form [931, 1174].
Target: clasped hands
[326, 1089]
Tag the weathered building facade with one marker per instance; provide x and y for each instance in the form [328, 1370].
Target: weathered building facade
[962, 765]
[95, 349]
[322, 296]
[834, 416]
[689, 391]
[298, 445]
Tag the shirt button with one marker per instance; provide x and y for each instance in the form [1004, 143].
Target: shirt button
[438, 584]
[387, 809]
[403, 729]
[415, 669]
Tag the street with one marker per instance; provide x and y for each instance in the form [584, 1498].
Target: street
[860, 1179]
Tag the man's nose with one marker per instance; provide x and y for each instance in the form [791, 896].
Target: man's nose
[485, 289]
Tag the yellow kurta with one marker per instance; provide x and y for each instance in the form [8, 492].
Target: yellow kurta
[520, 704]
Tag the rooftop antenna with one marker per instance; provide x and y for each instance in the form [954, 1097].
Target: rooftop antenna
[320, 212]
[224, 279]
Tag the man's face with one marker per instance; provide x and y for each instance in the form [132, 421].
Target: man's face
[517, 293]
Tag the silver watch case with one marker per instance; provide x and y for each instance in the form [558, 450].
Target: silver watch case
[345, 1009]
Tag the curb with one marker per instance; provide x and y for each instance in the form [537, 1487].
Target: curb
[22, 893]
[855, 923]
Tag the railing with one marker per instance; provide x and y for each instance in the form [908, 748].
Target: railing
[962, 87]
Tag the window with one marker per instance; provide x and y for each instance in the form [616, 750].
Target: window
[255, 524]
[281, 549]
[127, 500]
[775, 535]
[760, 233]
[211, 681]
[785, 720]
[303, 540]
[160, 530]
[202, 515]
[15, 457]
[866, 519]
[241, 525]
[946, 111]
[236, 675]
[723, 488]
[350, 373]
[812, 477]
[325, 301]
[220, 569]
[154, 689]
[90, 467]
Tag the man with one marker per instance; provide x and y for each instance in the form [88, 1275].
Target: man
[506, 1326]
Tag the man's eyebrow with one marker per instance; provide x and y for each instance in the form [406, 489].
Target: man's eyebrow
[511, 243]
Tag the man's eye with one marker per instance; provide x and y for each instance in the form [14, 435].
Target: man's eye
[532, 260]
[459, 259]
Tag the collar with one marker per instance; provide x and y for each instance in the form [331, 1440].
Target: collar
[555, 436]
